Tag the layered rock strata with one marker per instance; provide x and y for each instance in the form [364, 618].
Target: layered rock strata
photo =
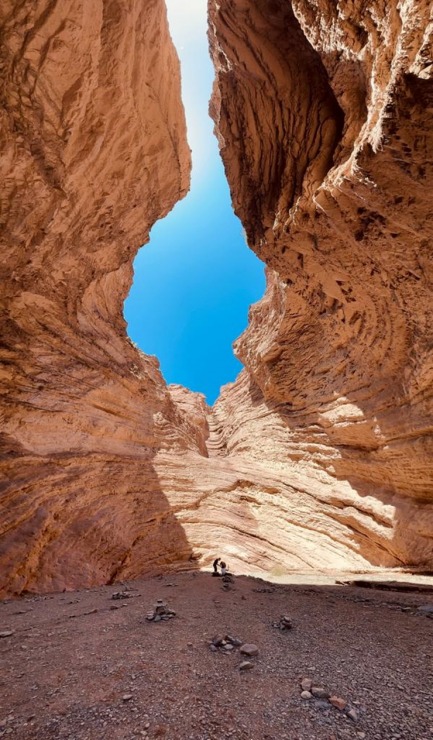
[92, 152]
[322, 113]
[319, 455]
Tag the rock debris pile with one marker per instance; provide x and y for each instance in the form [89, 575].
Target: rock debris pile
[224, 644]
[119, 595]
[160, 612]
[324, 698]
[122, 596]
[228, 644]
[284, 624]
[227, 582]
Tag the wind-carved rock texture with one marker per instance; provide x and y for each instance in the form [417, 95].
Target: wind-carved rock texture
[323, 115]
[92, 152]
[320, 454]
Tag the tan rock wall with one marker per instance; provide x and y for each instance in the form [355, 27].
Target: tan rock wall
[338, 351]
[319, 455]
[92, 152]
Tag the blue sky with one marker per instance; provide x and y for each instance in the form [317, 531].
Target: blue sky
[196, 278]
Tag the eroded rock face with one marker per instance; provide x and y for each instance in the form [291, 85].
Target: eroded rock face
[319, 455]
[93, 152]
[322, 117]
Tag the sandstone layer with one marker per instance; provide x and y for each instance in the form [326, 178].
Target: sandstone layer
[319, 456]
[92, 152]
[322, 112]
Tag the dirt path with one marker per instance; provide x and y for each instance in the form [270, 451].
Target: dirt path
[86, 667]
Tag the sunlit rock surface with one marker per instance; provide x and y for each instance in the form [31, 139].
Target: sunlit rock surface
[319, 456]
[92, 151]
[322, 114]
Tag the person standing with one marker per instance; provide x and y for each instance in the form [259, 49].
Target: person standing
[215, 567]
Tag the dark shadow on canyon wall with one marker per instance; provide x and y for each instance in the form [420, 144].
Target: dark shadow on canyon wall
[93, 152]
[72, 521]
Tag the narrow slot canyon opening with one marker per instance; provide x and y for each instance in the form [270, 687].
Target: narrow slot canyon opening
[194, 281]
[317, 461]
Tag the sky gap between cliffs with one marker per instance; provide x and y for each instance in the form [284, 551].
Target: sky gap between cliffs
[196, 278]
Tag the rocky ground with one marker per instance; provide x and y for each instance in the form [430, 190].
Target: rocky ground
[87, 666]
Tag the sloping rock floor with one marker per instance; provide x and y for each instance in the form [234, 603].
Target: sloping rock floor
[87, 666]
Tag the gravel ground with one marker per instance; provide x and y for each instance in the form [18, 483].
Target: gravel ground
[85, 666]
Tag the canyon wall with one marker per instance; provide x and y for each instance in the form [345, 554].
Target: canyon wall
[323, 115]
[92, 152]
[319, 456]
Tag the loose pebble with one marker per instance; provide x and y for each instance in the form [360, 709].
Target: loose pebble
[338, 702]
[249, 649]
[246, 665]
[353, 714]
[319, 692]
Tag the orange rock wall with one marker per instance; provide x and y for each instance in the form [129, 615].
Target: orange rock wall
[92, 152]
[322, 117]
[319, 455]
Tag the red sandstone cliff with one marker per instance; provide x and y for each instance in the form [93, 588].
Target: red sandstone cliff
[319, 455]
[322, 115]
[92, 152]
